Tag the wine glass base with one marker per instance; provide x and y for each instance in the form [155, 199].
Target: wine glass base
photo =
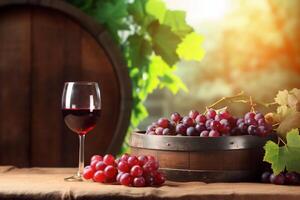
[74, 178]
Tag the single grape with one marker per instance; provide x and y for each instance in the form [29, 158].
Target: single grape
[151, 166]
[132, 160]
[167, 131]
[243, 128]
[163, 122]
[125, 157]
[93, 164]
[181, 129]
[110, 172]
[100, 165]
[151, 158]
[191, 131]
[251, 121]
[204, 134]
[277, 179]
[252, 130]
[208, 123]
[139, 182]
[211, 113]
[188, 121]
[109, 159]
[176, 117]
[142, 160]
[159, 179]
[150, 128]
[258, 116]
[261, 122]
[239, 120]
[119, 176]
[193, 114]
[218, 117]
[215, 125]
[99, 176]
[149, 180]
[265, 177]
[126, 179]
[136, 171]
[292, 178]
[96, 157]
[225, 130]
[249, 115]
[172, 127]
[200, 119]
[200, 127]
[225, 114]
[224, 122]
[214, 133]
[88, 172]
[262, 131]
[159, 131]
[123, 166]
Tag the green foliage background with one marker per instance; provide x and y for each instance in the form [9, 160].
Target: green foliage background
[153, 39]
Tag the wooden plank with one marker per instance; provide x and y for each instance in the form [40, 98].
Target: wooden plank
[97, 67]
[47, 75]
[71, 72]
[15, 86]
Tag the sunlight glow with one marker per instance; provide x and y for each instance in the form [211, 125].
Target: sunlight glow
[201, 10]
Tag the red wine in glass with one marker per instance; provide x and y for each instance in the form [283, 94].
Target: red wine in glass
[81, 121]
[81, 107]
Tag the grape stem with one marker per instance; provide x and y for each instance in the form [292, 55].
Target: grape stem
[224, 99]
[281, 140]
[252, 105]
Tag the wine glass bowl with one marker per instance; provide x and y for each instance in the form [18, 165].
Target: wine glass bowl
[81, 108]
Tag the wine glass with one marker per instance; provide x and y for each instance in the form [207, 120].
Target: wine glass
[81, 107]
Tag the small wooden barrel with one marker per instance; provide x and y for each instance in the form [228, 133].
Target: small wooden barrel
[182, 158]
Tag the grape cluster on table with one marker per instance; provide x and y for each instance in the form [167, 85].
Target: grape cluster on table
[211, 124]
[127, 170]
[284, 178]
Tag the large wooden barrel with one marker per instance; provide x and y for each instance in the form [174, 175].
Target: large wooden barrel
[44, 43]
[194, 158]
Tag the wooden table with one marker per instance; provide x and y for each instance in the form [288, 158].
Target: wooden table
[48, 183]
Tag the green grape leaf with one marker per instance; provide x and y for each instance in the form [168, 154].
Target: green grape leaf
[284, 157]
[164, 42]
[273, 155]
[139, 50]
[282, 98]
[156, 8]
[137, 10]
[176, 20]
[190, 48]
[113, 15]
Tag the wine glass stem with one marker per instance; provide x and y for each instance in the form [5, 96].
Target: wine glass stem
[81, 155]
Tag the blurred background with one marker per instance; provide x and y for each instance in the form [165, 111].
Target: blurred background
[250, 46]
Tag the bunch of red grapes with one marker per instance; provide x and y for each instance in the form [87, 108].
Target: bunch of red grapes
[211, 124]
[127, 170]
[287, 178]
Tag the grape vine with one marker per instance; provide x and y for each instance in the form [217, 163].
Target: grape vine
[152, 38]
